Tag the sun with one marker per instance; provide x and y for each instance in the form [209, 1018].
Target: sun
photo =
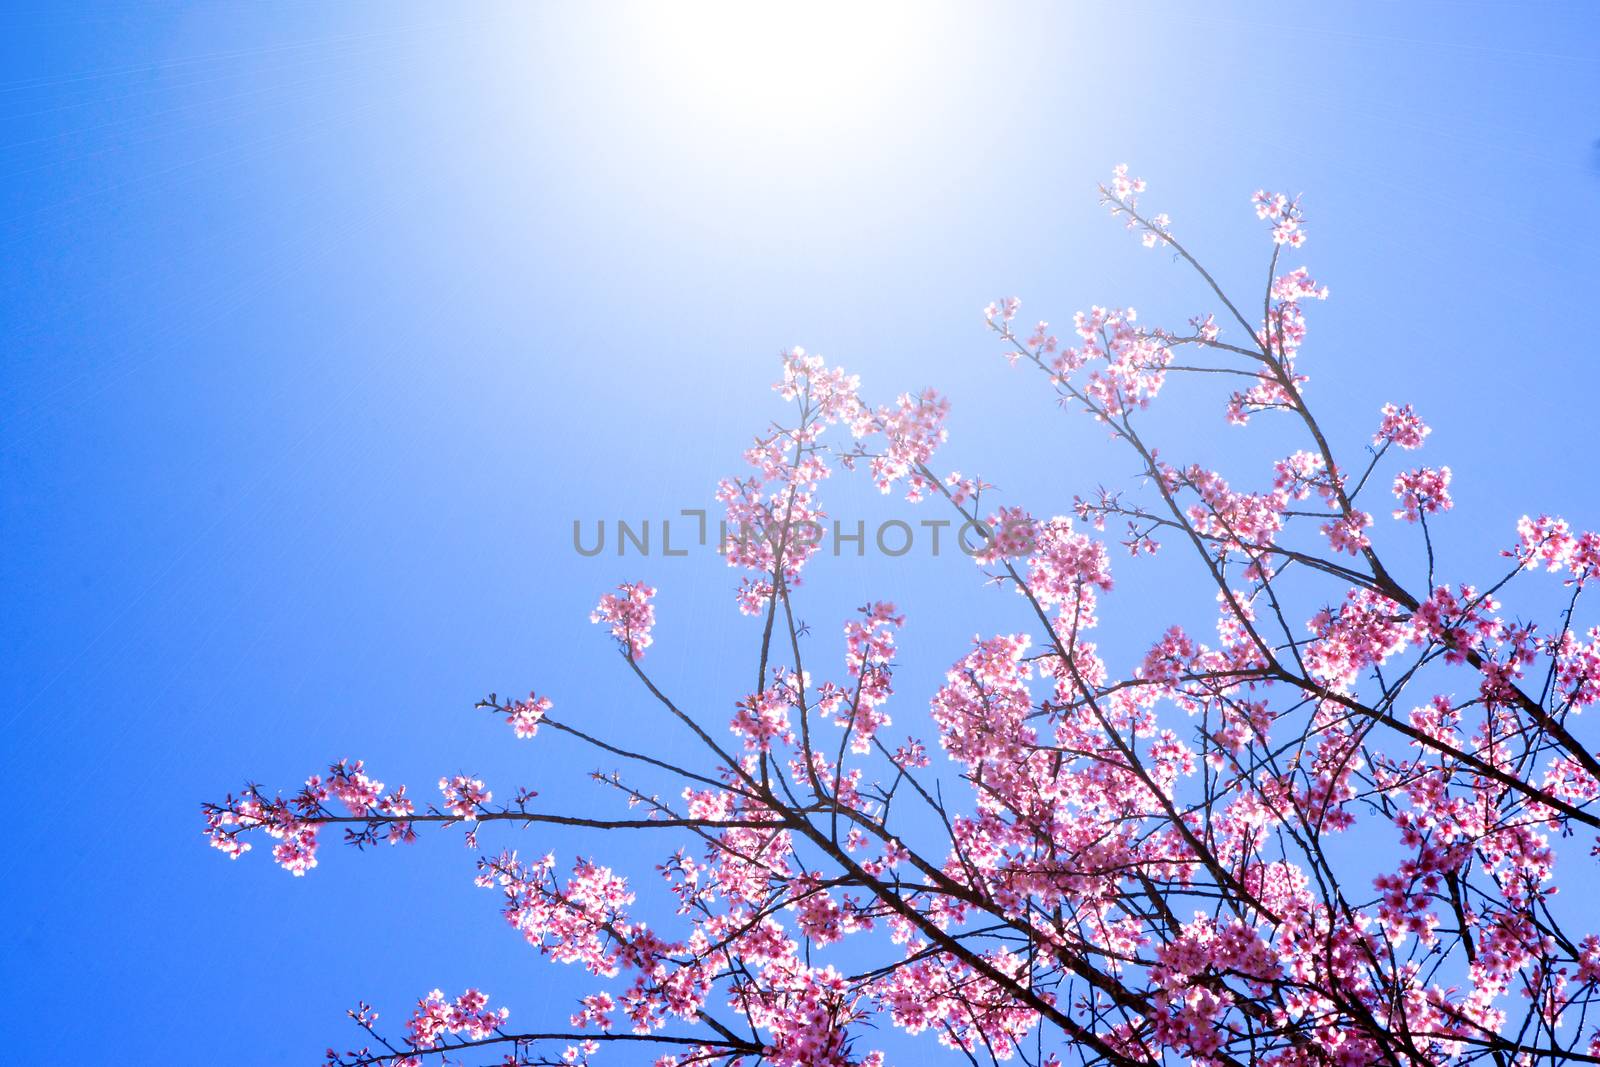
[804, 69]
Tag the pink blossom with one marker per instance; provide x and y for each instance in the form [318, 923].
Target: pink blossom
[630, 615]
[1402, 427]
[463, 796]
[1004, 309]
[1284, 214]
[911, 430]
[526, 715]
[1347, 533]
[468, 1015]
[1423, 491]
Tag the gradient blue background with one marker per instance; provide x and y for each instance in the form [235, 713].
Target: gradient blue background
[320, 324]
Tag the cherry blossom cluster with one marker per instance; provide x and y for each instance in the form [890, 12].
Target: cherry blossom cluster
[1284, 214]
[1549, 542]
[869, 660]
[1121, 196]
[469, 1015]
[295, 822]
[526, 715]
[1401, 427]
[630, 615]
[773, 525]
[1423, 491]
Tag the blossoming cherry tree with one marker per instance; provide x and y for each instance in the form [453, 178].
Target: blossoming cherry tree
[1326, 833]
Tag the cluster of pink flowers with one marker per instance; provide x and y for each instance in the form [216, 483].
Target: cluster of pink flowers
[1003, 310]
[464, 797]
[1551, 543]
[226, 822]
[968, 1010]
[1424, 491]
[1297, 285]
[597, 1011]
[1128, 364]
[1284, 214]
[1125, 188]
[834, 392]
[772, 525]
[869, 659]
[1577, 679]
[580, 921]
[1121, 196]
[762, 719]
[1235, 521]
[526, 715]
[630, 615]
[911, 429]
[1401, 426]
[468, 1015]
[1302, 474]
[1362, 632]
[769, 530]
[1065, 568]
[1267, 394]
[294, 823]
[1348, 532]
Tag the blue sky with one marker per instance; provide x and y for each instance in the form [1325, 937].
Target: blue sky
[320, 325]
